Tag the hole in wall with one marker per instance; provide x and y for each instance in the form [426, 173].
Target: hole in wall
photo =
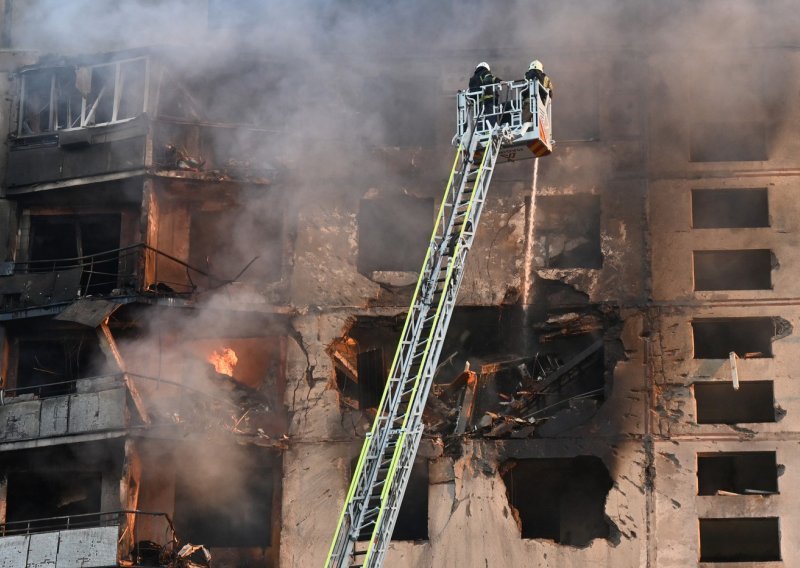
[560, 499]
[224, 496]
[568, 231]
[412, 519]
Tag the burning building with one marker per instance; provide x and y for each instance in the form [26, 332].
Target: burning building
[212, 221]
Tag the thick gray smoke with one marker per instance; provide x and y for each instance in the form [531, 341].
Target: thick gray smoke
[334, 83]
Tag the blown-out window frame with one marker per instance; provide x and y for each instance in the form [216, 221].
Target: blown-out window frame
[87, 114]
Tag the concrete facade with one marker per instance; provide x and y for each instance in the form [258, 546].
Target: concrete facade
[662, 460]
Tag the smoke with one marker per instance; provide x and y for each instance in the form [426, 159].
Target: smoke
[332, 86]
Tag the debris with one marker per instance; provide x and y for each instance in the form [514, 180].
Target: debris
[178, 158]
[510, 396]
[193, 556]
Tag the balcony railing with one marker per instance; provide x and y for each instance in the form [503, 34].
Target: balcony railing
[178, 405]
[128, 271]
[140, 535]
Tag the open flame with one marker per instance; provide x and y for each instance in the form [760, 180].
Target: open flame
[224, 361]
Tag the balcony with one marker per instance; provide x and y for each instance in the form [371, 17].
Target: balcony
[108, 405]
[118, 115]
[97, 404]
[125, 274]
[96, 540]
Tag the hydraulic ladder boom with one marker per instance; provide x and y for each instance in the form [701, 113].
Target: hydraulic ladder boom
[383, 468]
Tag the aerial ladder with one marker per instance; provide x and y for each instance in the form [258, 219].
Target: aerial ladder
[513, 125]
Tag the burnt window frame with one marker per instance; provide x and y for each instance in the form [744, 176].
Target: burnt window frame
[80, 366]
[59, 76]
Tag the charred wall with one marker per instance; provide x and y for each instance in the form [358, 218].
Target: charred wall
[600, 304]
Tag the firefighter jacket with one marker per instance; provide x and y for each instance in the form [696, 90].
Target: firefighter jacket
[545, 82]
[481, 78]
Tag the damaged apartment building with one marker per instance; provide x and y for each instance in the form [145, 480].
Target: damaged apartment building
[208, 255]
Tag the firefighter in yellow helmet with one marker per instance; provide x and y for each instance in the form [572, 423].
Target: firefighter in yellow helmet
[536, 72]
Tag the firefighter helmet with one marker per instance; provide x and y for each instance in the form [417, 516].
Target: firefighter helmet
[484, 65]
[536, 64]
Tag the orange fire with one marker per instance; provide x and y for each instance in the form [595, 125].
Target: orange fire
[224, 361]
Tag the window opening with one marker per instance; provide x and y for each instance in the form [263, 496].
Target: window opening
[719, 403]
[76, 97]
[560, 499]
[740, 540]
[742, 473]
[42, 495]
[730, 208]
[747, 337]
[733, 269]
[568, 231]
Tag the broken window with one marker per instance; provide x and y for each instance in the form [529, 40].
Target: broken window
[47, 494]
[225, 498]
[560, 499]
[729, 208]
[412, 519]
[747, 337]
[393, 234]
[362, 357]
[719, 403]
[233, 243]
[50, 367]
[568, 231]
[742, 473]
[89, 243]
[733, 269]
[58, 481]
[75, 97]
[740, 540]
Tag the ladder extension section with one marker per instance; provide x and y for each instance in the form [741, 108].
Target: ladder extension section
[388, 453]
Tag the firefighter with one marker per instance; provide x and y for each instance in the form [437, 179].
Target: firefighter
[536, 72]
[482, 78]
